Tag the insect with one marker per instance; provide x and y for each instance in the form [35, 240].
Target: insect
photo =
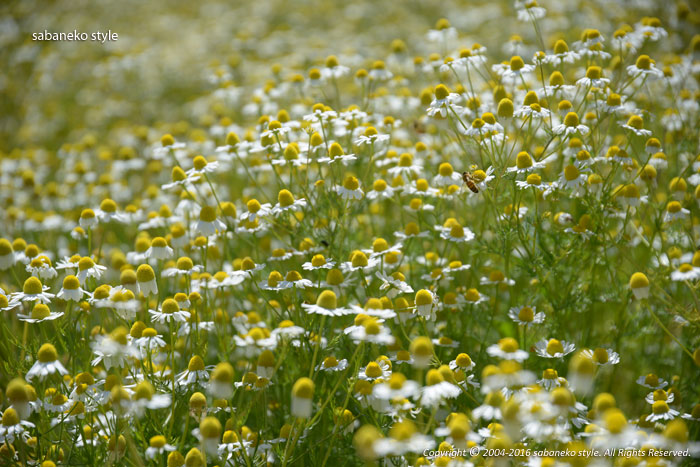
[468, 178]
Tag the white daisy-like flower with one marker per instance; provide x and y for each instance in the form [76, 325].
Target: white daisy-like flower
[287, 203]
[602, 356]
[457, 234]
[208, 224]
[360, 262]
[336, 155]
[326, 304]
[380, 190]
[350, 189]
[318, 262]
[507, 349]
[524, 163]
[41, 267]
[294, 279]
[46, 364]
[572, 178]
[462, 362]
[393, 285]
[474, 297]
[635, 124]
[183, 267]
[371, 137]
[437, 390]
[8, 303]
[32, 290]
[444, 103]
[514, 69]
[526, 316]
[674, 211]
[40, 313]
[551, 379]
[553, 348]
[652, 381]
[158, 446]
[571, 126]
[71, 290]
[686, 272]
[533, 111]
[371, 330]
[159, 249]
[659, 395]
[491, 408]
[88, 268]
[644, 67]
[332, 364]
[661, 411]
[12, 427]
[529, 10]
[169, 312]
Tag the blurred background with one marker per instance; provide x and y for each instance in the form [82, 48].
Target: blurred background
[170, 55]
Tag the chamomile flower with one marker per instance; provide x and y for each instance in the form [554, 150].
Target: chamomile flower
[157, 446]
[326, 304]
[350, 189]
[661, 411]
[169, 312]
[525, 164]
[551, 379]
[635, 124]
[444, 103]
[457, 234]
[507, 349]
[593, 78]
[208, 223]
[403, 438]
[561, 54]
[526, 316]
[371, 137]
[437, 389]
[7, 255]
[553, 348]
[332, 364]
[87, 268]
[32, 290]
[652, 381]
[571, 126]
[46, 364]
[602, 356]
[71, 290]
[674, 211]
[287, 203]
[183, 267]
[40, 313]
[318, 262]
[159, 249]
[372, 330]
[13, 428]
[514, 69]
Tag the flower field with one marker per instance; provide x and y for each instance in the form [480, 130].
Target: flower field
[369, 233]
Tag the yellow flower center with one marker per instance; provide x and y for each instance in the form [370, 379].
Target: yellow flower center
[508, 344]
[47, 353]
[526, 314]
[327, 300]
[571, 172]
[554, 347]
[523, 160]
[351, 183]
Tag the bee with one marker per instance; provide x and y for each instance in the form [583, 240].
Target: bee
[469, 180]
